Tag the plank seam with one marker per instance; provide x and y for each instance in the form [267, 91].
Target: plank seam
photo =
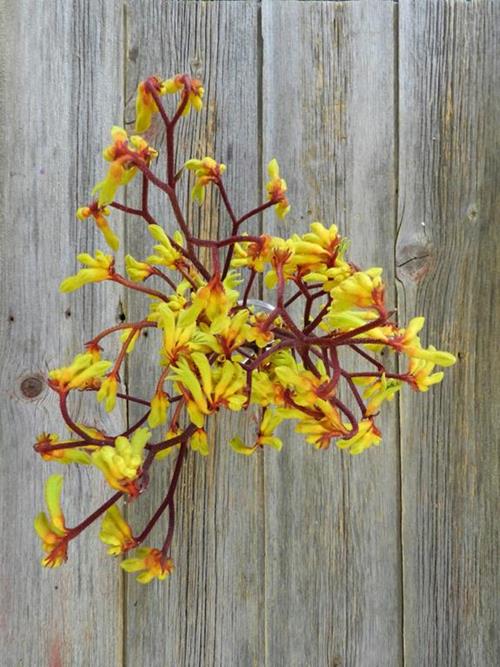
[124, 580]
[397, 226]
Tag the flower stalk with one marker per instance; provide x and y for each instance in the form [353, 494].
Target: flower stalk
[218, 349]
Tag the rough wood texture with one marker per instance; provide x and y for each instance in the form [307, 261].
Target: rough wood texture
[382, 116]
[333, 592]
[448, 253]
[214, 615]
[61, 90]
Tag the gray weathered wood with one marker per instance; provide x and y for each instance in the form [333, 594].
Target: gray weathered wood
[332, 522]
[297, 558]
[61, 83]
[210, 612]
[448, 254]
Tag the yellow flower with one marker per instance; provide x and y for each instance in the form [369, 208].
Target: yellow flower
[45, 443]
[166, 254]
[180, 333]
[121, 464]
[269, 422]
[253, 255]
[378, 390]
[407, 341]
[100, 267]
[107, 392]
[99, 213]
[317, 249]
[258, 332]
[210, 387]
[320, 430]
[363, 289]
[193, 86]
[82, 372]
[199, 442]
[51, 529]
[116, 532]
[306, 386]
[152, 561]
[216, 297]
[159, 407]
[122, 168]
[281, 257]
[276, 188]
[228, 333]
[145, 106]
[207, 171]
[367, 435]
[137, 271]
[420, 373]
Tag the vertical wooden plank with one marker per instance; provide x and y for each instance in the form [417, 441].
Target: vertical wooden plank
[61, 83]
[448, 257]
[333, 591]
[210, 611]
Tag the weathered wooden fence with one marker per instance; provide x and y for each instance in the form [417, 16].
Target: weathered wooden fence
[384, 117]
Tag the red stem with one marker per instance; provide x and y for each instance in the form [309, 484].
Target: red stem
[169, 496]
[73, 532]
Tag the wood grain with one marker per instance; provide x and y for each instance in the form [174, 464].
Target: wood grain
[61, 84]
[332, 522]
[448, 254]
[384, 118]
[211, 610]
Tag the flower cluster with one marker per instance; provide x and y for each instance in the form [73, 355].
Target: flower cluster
[220, 347]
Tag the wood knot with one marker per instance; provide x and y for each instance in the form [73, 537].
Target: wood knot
[32, 386]
[414, 261]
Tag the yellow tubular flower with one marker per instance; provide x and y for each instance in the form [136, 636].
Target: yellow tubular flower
[207, 171]
[229, 333]
[107, 392]
[317, 249]
[276, 188]
[194, 86]
[145, 106]
[378, 390]
[216, 297]
[210, 387]
[269, 422]
[253, 255]
[122, 168]
[159, 407]
[420, 373]
[100, 267]
[166, 254]
[99, 214]
[137, 271]
[81, 373]
[407, 341]
[199, 442]
[116, 532]
[51, 529]
[281, 256]
[44, 443]
[307, 387]
[121, 464]
[154, 564]
[181, 335]
[257, 332]
[363, 289]
[367, 435]
[319, 431]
